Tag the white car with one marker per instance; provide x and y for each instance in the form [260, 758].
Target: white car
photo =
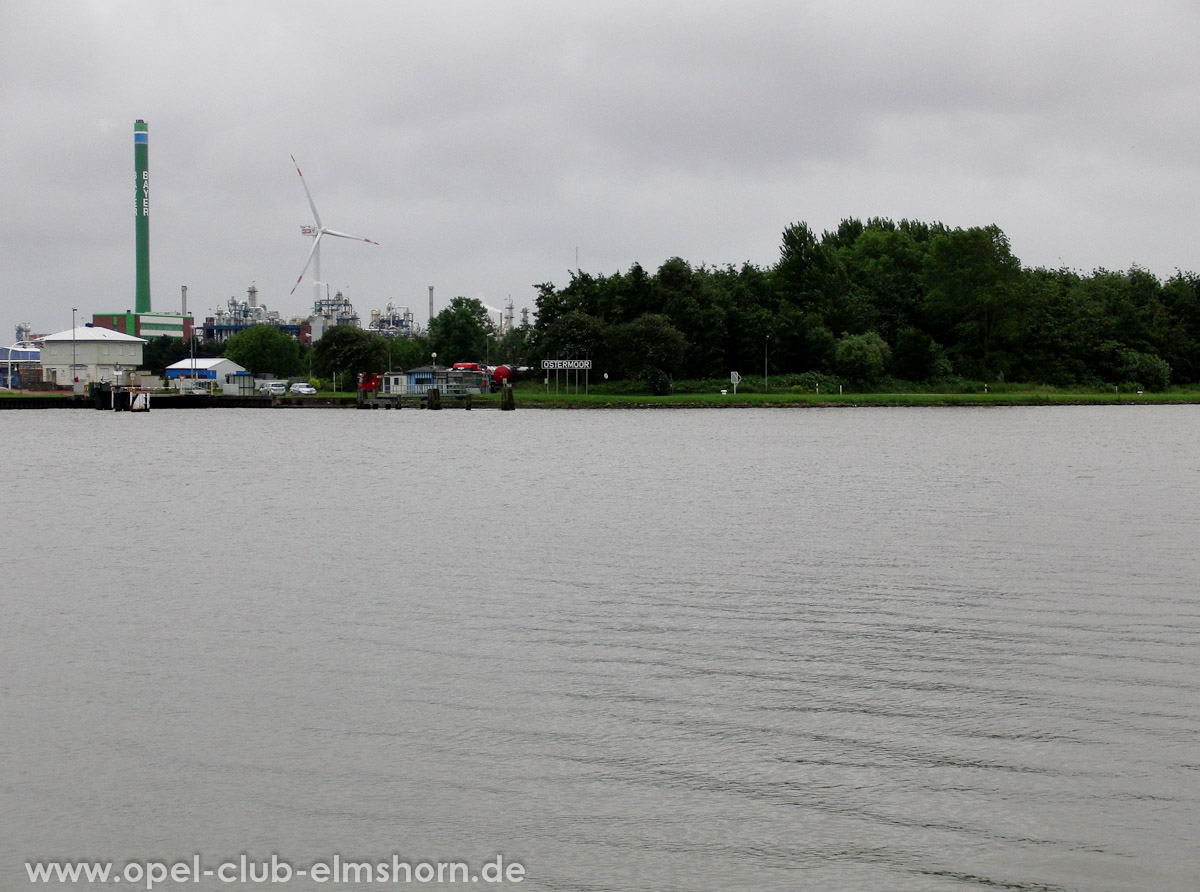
[303, 389]
[273, 388]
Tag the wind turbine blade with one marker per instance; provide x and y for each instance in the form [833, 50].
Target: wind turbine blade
[311, 203]
[312, 251]
[357, 238]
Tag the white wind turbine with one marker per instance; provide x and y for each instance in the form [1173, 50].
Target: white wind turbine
[316, 233]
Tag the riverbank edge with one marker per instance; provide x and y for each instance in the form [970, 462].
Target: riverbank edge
[678, 401]
[854, 401]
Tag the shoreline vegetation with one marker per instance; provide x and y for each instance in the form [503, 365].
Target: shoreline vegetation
[804, 391]
[1016, 396]
[845, 401]
[708, 395]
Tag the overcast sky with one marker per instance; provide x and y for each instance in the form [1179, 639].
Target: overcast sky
[488, 145]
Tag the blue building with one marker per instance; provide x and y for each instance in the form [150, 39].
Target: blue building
[228, 376]
[19, 366]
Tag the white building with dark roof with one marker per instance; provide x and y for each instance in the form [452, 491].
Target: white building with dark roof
[89, 353]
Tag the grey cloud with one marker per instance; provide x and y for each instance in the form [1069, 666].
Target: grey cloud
[482, 143]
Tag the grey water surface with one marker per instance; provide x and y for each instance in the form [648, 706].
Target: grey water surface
[634, 651]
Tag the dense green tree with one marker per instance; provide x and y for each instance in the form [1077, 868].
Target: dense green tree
[347, 352]
[1061, 330]
[637, 295]
[1133, 306]
[460, 332]
[884, 266]
[408, 353]
[862, 358]
[808, 275]
[265, 349]
[163, 351]
[1144, 370]
[647, 345]
[1181, 297]
[693, 304]
[574, 335]
[971, 275]
[516, 347]
[750, 306]
[814, 343]
[918, 357]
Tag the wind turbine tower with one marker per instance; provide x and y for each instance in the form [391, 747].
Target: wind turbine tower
[316, 233]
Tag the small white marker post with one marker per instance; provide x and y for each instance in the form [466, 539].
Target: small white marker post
[735, 379]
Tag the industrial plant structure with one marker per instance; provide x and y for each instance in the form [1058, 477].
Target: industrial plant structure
[141, 321]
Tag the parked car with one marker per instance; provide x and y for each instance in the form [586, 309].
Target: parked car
[273, 388]
[303, 389]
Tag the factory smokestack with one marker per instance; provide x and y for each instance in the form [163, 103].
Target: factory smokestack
[430, 303]
[141, 214]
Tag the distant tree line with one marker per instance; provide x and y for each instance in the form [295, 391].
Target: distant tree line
[865, 303]
[915, 301]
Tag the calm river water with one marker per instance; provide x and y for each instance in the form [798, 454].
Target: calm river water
[635, 651]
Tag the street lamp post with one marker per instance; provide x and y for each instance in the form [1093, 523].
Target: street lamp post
[766, 353]
[74, 374]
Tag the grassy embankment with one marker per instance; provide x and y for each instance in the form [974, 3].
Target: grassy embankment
[705, 395]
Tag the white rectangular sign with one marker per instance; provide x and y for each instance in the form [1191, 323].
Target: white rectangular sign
[566, 364]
